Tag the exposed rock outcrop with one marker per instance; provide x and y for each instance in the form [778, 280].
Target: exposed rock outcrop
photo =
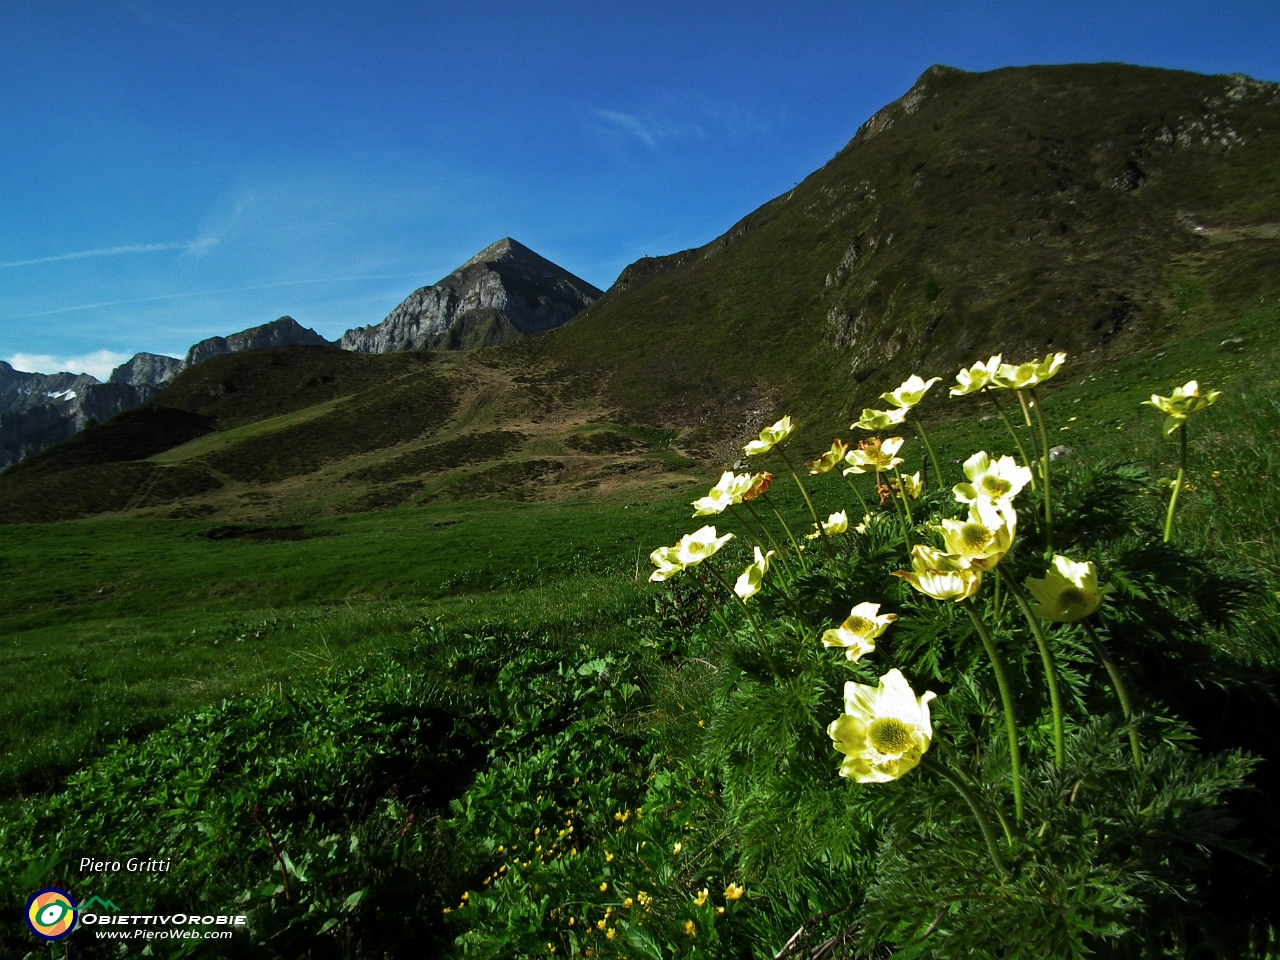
[146, 369]
[506, 291]
[285, 332]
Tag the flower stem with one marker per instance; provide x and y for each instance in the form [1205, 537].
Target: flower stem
[1008, 425]
[902, 522]
[933, 457]
[902, 492]
[866, 511]
[962, 788]
[1006, 699]
[777, 549]
[1177, 484]
[1031, 430]
[755, 627]
[790, 536]
[1122, 694]
[822, 533]
[1044, 455]
[1046, 657]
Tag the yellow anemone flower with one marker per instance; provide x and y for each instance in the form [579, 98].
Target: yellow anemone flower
[974, 378]
[752, 578]
[858, 633]
[695, 547]
[836, 523]
[880, 419]
[1027, 374]
[770, 437]
[1184, 400]
[874, 455]
[728, 491]
[910, 393]
[985, 536]
[991, 480]
[701, 899]
[734, 892]
[667, 560]
[912, 485]
[1069, 591]
[829, 459]
[942, 576]
[760, 483]
[884, 730]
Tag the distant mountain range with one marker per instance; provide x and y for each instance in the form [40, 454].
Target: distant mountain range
[506, 291]
[1128, 216]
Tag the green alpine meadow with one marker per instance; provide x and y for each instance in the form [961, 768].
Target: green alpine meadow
[896, 576]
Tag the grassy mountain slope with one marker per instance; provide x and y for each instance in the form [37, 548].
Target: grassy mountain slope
[1021, 210]
[1113, 212]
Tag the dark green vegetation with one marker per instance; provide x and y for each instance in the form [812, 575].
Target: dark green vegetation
[393, 609]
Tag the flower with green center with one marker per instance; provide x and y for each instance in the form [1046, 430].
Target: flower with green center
[884, 730]
[836, 523]
[858, 633]
[695, 547]
[730, 490]
[829, 459]
[770, 437]
[973, 379]
[667, 560]
[1069, 591]
[991, 480]
[943, 576]
[1027, 374]
[910, 393]
[752, 579]
[880, 419]
[1185, 400]
[985, 536]
[874, 455]
[760, 483]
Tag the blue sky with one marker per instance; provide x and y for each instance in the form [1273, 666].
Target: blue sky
[173, 170]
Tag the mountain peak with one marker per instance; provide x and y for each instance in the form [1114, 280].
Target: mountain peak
[504, 292]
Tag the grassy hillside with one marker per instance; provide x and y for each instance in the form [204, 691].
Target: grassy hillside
[1112, 212]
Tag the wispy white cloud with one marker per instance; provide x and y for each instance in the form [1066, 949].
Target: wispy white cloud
[97, 364]
[100, 252]
[647, 131]
[210, 293]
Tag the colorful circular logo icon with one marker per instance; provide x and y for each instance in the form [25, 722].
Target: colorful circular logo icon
[51, 914]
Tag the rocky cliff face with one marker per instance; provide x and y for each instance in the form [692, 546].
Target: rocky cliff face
[285, 332]
[38, 411]
[146, 369]
[504, 292]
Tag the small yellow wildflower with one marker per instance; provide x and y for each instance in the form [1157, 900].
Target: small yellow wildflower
[701, 898]
[611, 933]
[734, 892]
[604, 885]
[834, 524]
[1184, 400]
[690, 930]
[608, 856]
[601, 924]
[677, 848]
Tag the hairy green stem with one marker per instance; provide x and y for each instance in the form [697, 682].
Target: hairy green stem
[933, 457]
[804, 566]
[902, 492]
[962, 788]
[902, 522]
[822, 533]
[1046, 657]
[1008, 425]
[1177, 483]
[1006, 699]
[1045, 460]
[781, 554]
[1031, 430]
[755, 627]
[1122, 694]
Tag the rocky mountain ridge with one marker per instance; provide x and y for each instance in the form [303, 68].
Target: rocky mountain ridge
[506, 291]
